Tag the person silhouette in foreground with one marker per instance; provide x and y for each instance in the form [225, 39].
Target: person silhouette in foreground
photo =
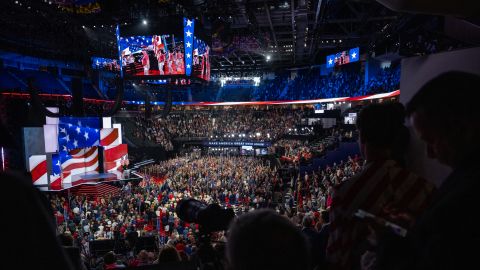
[35, 245]
[264, 240]
[445, 115]
[381, 188]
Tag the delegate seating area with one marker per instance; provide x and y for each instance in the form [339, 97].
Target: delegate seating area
[16, 80]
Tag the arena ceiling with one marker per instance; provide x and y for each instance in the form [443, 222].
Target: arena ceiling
[247, 35]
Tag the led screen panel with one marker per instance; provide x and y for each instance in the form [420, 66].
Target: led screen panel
[344, 57]
[152, 55]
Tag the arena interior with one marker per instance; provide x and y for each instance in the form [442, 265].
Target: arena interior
[239, 134]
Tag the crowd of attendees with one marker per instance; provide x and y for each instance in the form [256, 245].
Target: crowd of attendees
[309, 84]
[246, 125]
[224, 124]
[148, 208]
[241, 181]
[300, 152]
[153, 131]
[306, 84]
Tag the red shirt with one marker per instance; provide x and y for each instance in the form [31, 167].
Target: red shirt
[180, 247]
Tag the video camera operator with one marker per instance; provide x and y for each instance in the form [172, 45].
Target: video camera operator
[210, 218]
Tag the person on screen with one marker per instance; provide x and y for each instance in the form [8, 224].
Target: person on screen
[157, 44]
[145, 62]
[174, 62]
[196, 59]
[179, 61]
[170, 62]
[207, 63]
[161, 61]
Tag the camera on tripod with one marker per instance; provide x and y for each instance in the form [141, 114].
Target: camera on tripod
[210, 218]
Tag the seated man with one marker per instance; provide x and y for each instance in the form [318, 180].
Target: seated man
[264, 240]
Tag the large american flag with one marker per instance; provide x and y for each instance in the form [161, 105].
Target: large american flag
[78, 139]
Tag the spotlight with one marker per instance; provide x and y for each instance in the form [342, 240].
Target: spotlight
[83, 26]
[268, 57]
[145, 22]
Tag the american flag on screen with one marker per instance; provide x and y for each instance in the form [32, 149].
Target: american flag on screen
[76, 132]
[79, 161]
[200, 45]
[114, 150]
[38, 169]
[81, 140]
[55, 177]
[78, 139]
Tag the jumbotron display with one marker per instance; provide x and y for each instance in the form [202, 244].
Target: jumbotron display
[154, 53]
[343, 57]
[107, 64]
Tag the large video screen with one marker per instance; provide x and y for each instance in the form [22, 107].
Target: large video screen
[153, 55]
[342, 58]
[164, 48]
[105, 64]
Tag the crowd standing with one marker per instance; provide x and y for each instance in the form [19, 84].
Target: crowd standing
[148, 208]
[246, 125]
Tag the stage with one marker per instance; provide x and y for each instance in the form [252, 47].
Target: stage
[92, 180]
